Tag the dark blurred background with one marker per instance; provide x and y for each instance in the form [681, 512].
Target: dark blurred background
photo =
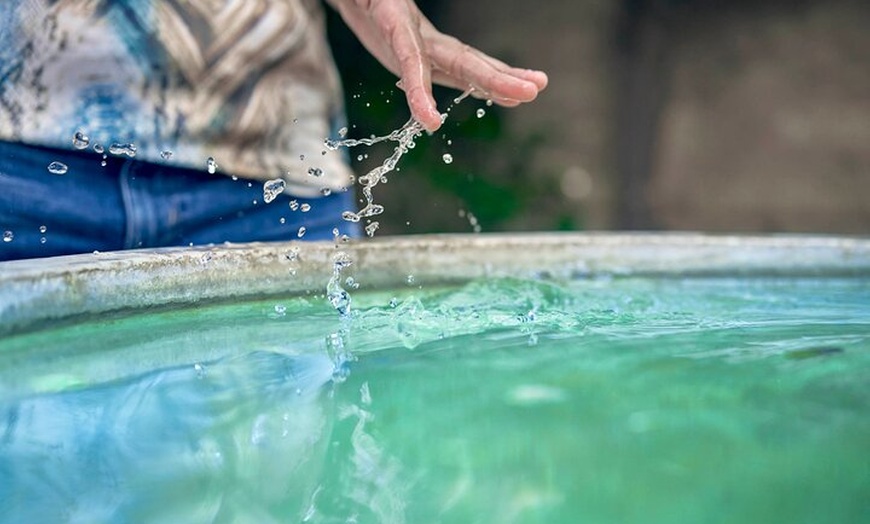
[746, 116]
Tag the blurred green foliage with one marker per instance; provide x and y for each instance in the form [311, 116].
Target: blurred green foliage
[493, 175]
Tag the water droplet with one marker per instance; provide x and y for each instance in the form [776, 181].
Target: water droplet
[410, 279]
[42, 240]
[371, 228]
[326, 191]
[43, 229]
[368, 104]
[315, 171]
[480, 113]
[200, 370]
[447, 158]
[301, 232]
[294, 205]
[99, 149]
[305, 208]
[295, 120]
[282, 220]
[359, 158]
[57, 168]
[211, 165]
[80, 140]
[450, 142]
[394, 302]
[123, 149]
[342, 132]
[103, 163]
[8, 236]
[166, 154]
[337, 296]
[292, 254]
[489, 103]
[302, 158]
[280, 310]
[272, 188]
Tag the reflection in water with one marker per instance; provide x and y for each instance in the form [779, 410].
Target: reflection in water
[239, 439]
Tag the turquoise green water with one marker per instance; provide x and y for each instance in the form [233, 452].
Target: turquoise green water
[624, 400]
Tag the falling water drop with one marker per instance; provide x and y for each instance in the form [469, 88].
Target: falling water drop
[301, 232]
[489, 103]
[43, 229]
[80, 140]
[99, 149]
[119, 149]
[305, 208]
[8, 236]
[315, 171]
[211, 165]
[447, 158]
[166, 154]
[342, 132]
[57, 168]
[480, 113]
[272, 188]
[371, 228]
[294, 205]
[292, 254]
[350, 216]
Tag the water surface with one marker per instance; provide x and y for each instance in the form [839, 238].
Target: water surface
[605, 400]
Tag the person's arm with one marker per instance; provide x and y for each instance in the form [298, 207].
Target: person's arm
[406, 43]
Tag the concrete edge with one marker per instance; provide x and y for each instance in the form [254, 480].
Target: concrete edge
[33, 292]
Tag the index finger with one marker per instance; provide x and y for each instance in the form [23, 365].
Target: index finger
[403, 35]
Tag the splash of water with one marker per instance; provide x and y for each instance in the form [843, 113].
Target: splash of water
[405, 138]
[335, 293]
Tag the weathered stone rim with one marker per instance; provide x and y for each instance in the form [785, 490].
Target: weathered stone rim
[33, 292]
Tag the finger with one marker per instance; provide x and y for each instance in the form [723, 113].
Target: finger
[442, 78]
[471, 67]
[401, 31]
[539, 78]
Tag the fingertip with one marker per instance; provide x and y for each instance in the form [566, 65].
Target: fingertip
[524, 91]
[423, 110]
[539, 78]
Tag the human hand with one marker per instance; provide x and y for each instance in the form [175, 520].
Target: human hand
[406, 43]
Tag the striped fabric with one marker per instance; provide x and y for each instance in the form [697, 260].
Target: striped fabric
[251, 83]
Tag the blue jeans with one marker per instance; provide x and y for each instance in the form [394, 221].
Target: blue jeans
[130, 204]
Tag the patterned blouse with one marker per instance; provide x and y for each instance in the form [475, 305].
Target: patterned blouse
[250, 83]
